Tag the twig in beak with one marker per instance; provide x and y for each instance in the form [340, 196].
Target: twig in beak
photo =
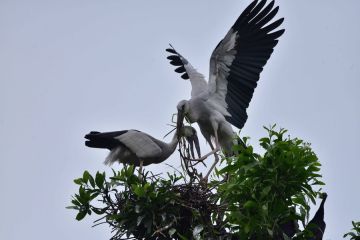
[169, 132]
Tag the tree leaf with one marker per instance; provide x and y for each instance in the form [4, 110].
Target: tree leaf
[91, 180]
[250, 204]
[81, 215]
[86, 176]
[78, 181]
[99, 180]
[73, 207]
[99, 211]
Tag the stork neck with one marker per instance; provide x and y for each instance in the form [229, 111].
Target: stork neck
[174, 141]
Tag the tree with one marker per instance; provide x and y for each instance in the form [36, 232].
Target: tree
[355, 233]
[252, 196]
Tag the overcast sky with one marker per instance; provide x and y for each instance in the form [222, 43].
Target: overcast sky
[71, 66]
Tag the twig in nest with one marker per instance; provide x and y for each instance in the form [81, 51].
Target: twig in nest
[160, 230]
[188, 164]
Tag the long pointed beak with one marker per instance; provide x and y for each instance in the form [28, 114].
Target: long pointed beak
[197, 145]
[194, 140]
[191, 144]
[180, 119]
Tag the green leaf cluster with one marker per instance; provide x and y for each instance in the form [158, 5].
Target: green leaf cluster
[355, 233]
[266, 192]
[89, 189]
[153, 208]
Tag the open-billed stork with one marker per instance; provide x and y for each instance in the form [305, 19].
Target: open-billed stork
[138, 148]
[235, 67]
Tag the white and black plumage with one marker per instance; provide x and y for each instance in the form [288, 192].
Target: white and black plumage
[138, 148]
[235, 67]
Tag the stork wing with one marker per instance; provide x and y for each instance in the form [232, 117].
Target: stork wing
[238, 60]
[140, 144]
[197, 80]
[103, 140]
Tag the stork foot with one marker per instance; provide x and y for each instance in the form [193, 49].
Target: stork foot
[197, 159]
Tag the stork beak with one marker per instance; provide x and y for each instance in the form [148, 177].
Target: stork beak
[194, 140]
[180, 119]
[191, 144]
[197, 145]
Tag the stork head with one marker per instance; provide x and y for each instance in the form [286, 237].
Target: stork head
[187, 131]
[183, 109]
[191, 137]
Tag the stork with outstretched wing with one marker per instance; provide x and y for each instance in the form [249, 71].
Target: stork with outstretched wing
[235, 67]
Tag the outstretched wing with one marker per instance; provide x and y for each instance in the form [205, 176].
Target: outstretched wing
[238, 60]
[197, 80]
[140, 144]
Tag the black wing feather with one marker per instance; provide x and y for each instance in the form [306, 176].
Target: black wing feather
[180, 69]
[185, 76]
[171, 50]
[177, 60]
[103, 140]
[264, 12]
[254, 46]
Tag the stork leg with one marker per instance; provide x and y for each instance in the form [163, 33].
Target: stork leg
[214, 151]
[140, 169]
[207, 136]
[217, 148]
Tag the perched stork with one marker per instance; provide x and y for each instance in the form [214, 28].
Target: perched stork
[138, 148]
[235, 67]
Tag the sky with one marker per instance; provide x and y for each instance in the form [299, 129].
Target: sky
[68, 67]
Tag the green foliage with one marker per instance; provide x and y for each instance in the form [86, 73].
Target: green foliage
[355, 233]
[153, 209]
[265, 192]
[252, 197]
